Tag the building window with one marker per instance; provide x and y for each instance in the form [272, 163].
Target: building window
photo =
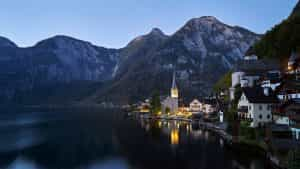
[250, 107]
[260, 107]
[268, 116]
[260, 116]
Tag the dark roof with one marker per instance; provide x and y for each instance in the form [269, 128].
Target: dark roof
[291, 102]
[256, 95]
[256, 66]
[289, 86]
[209, 101]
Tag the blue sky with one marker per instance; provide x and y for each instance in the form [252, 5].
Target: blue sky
[113, 23]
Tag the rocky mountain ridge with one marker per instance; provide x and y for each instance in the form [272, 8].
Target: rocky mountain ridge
[203, 46]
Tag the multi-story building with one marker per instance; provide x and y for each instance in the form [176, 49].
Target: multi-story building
[255, 105]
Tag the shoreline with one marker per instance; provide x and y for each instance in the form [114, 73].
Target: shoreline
[234, 146]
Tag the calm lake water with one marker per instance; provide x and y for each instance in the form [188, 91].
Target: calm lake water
[106, 140]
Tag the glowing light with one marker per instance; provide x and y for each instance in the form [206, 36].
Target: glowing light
[178, 125]
[174, 137]
[159, 124]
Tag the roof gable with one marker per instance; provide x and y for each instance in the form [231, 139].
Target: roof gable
[256, 95]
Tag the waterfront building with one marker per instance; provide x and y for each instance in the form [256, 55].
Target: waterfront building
[195, 106]
[209, 106]
[144, 107]
[171, 102]
[255, 105]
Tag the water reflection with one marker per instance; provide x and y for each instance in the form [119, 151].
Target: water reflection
[189, 146]
[104, 140]
[175, 137]
[176, 130]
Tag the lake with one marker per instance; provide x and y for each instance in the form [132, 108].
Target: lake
[108, 140]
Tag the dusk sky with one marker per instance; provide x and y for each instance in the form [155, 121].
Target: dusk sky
[113, 23]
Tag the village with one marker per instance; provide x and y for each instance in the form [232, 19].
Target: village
[261, 107]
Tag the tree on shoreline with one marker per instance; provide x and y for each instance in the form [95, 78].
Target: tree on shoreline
[155, 104]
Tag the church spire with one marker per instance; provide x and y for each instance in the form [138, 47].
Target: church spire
[174, 86]
[174, 90]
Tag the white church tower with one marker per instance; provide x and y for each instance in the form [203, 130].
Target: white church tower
[171, 102]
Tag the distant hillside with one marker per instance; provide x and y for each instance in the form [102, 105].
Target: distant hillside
[282, 39]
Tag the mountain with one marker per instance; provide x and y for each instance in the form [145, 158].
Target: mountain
[296, 11]
[4, 42]
[138, 49]
[201, 51]
[63, 67]
[57, 60]
[281, 40]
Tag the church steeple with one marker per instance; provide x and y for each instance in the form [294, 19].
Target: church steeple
[174, 90]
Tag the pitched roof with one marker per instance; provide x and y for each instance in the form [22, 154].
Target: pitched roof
[256, 95]
[174, 86]
[256, 66]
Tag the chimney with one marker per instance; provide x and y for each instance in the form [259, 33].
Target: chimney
[266, 91]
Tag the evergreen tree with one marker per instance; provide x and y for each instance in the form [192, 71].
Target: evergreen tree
[155, 103]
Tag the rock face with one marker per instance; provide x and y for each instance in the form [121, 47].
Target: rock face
[53, 61]
[200, 52]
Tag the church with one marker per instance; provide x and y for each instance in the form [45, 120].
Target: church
[170, 104]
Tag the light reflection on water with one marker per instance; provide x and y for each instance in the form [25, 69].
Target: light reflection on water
[182, 133]
[94, 141]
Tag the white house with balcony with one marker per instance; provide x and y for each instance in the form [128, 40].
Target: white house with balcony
[255, 105]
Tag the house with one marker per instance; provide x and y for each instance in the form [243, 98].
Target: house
[288, 113]
[195, 106]
[255, 105]
[170, 104]
[144, 107]
[248, 72]
[289, 89]
[209, 106]
[271, 79]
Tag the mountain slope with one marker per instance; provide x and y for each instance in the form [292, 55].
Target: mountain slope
[57, 60]
[280, 41]
[4, 42]
[296, 11]
[201, 51]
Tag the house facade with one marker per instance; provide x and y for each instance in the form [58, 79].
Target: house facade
[195, 106]
[255, 105]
